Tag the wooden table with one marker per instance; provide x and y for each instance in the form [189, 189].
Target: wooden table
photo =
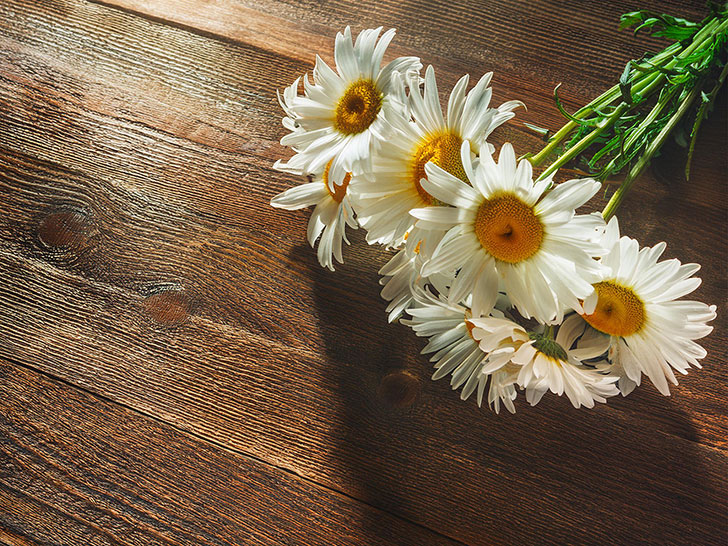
[175, 366]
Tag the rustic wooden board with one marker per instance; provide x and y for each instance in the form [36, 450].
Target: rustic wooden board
[530, 46]
[141, 261]
[91, 472]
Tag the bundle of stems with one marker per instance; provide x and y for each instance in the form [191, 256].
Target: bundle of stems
[657, 96]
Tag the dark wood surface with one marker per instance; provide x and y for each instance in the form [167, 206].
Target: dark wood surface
[175, 366]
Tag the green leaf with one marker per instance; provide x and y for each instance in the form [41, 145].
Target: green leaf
[631, 19]
[660, 25]
[536, 129]
[625, 85]
[581, 122]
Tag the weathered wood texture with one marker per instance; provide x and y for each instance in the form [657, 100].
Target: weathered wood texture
[140, 261]
[91, 472]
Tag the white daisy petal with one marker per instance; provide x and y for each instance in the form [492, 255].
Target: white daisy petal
[406, 67]
[339, 112]
[507, 165]
[432, 99]
[569, 195]
[344, 55]
[540, 363]
[543, 254]
[486, 289]
[381, 47]
[465, 158]
[328, 77]
[466, 277]
[300, 197]
[457, 101]
[449, 255]
[439, 215]
[445, 187]
[331, 215]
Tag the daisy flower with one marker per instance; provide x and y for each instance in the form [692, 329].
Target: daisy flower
[329, 219]
[650, 330]
[454, 349]
[385, 195]
[335, 119]
[402, 273]
[544, 363]
[507, 227]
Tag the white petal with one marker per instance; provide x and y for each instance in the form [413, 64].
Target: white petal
[448, 188]
[300, 197]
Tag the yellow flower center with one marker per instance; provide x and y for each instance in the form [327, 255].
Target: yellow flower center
[619, 311]
[339, 191]
[508, 228]
[358, 107]
[443, 149]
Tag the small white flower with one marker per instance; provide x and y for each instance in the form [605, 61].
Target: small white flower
[650, 330]
[455, 351]
[329, 219]
[338, 114]
[507, 227]
[384, 196]
[546, 364]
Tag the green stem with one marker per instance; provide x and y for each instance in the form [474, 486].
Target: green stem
[653, 81]
[643, 126]
[605, 99]
[711, 29]
[642, 82]
[600, 102]
[584, 143]
[702, 112]
[644, 160]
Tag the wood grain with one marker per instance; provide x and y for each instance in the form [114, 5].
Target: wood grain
[139, 260]
[442, 463]
[531, 47]
[94, 473]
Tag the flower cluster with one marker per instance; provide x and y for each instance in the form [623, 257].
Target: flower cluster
[514, 290]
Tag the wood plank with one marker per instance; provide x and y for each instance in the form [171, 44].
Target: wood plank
[531, 47]
[438, 462]
[138, 183]
[77, 469]
[140, 260]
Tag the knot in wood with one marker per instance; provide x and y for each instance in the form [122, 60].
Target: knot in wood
[169, 307]
[65, 230]
[399, 389]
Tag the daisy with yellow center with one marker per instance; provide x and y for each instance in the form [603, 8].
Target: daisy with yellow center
[329, 219]
[385, 195]
[455, 351]
[542, 363]
[506, 228]
[336, 118]
[637, 306]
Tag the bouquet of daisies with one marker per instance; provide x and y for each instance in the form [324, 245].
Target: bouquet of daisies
[514, 290]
